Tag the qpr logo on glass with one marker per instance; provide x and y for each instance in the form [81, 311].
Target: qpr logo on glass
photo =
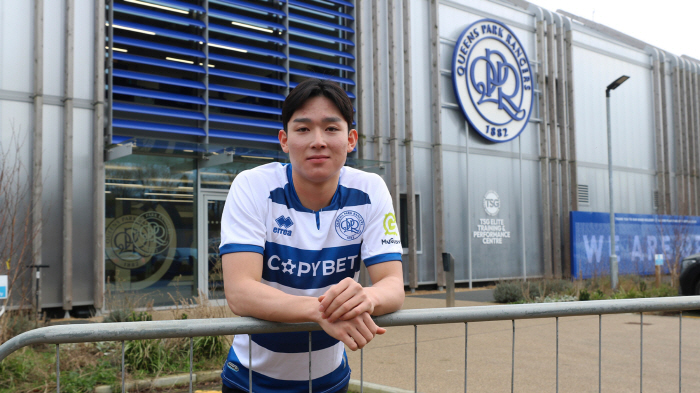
[493, 80]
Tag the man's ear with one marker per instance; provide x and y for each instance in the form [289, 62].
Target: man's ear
[352, 140]
[282, 136]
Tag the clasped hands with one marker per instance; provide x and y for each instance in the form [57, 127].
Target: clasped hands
[345, 314]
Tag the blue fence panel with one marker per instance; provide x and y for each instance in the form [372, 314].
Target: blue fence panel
[638, 238]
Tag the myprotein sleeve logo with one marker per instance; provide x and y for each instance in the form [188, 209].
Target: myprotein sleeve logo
[493, 81]
[349, 225]
[390, 224]
[390, 229]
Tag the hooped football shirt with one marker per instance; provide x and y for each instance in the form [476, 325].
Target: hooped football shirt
[304, 253]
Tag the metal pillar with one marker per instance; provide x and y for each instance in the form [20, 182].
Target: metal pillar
[68, 161]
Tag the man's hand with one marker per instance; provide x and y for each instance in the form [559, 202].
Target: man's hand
[355, 332]
[345, 301]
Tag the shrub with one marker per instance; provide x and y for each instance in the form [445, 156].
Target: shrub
[209, 347]
[508, 292]
[583, 295]
[147, 355]
[561, 287]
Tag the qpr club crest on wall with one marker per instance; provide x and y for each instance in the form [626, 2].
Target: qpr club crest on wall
[493, 81]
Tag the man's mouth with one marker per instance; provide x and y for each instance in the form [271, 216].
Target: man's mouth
[317, 158]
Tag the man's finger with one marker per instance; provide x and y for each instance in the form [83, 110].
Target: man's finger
[350, 342]
[359, 338]
[348, 306]
[370, 323]
[331, 294]
[339, 300]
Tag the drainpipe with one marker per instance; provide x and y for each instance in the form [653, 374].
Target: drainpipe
[692, 136]
[408, 124]
[394, 108]
[571, 114]
[696, 124]
[376, 66]
[563, 146]
[68, 162]
[544, 140]
[436, 114]
[98, 167]
[37, 145]
[664, 129]
[684, 134]
[553, 144]
[658, 127]
[360, 80]
[677, 135]
[689, 137]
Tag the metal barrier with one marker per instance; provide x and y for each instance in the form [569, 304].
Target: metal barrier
[229, 326]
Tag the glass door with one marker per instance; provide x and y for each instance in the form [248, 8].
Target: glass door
[210, 281]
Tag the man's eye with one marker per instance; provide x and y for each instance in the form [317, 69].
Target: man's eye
[333, 129]
[302, 129]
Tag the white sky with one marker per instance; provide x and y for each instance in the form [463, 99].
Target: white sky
[671, 25]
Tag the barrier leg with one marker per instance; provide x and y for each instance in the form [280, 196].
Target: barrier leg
[58, 371]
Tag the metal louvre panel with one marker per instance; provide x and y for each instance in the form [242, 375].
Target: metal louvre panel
[180, 65]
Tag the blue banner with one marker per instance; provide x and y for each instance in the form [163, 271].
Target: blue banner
[639, 240]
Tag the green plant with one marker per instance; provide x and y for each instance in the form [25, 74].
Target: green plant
[583, 295]
[508, 292]
[598, 295]
[147, 355]
[561, 287]
[209, 347]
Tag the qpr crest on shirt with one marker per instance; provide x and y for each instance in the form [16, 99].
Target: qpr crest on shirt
[493, 80]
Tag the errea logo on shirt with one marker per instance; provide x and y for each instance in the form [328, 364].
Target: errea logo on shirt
[283, 225]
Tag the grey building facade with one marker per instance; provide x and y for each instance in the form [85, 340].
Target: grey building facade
[138, 114]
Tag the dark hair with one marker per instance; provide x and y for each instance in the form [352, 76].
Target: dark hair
[314, 87]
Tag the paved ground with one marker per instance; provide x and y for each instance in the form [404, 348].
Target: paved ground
[389, 359]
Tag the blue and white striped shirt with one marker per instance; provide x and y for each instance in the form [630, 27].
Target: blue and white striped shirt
[304, 253]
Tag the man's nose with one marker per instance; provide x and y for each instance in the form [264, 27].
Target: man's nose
[319, 140]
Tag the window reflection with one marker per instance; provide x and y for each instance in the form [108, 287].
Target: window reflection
[150, 232]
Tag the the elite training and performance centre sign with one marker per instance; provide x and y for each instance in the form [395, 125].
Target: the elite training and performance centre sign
[492, 79]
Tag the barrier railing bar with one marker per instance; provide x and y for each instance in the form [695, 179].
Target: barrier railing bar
[512, 362]
[362, 370]
[246, 325]
[250, 363]
[641, 350]
[557, 366]
[58, 371]
[123, 370]
[415, 358]
[310, 383]
[466, 335]
[191, 359]
[600, 352]
[680, 348]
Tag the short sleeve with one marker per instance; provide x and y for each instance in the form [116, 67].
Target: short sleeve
[381, 241]
[242, 222]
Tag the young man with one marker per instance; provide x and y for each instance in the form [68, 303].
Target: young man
[292, 240]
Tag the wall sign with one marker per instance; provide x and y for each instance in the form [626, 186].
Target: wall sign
[491, 230]
[493, 81]
[3, 287]
[639, 241]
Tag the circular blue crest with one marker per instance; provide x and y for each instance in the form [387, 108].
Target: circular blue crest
[493, 80]
[349, 225]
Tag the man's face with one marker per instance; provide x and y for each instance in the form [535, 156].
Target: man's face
[317, 140]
